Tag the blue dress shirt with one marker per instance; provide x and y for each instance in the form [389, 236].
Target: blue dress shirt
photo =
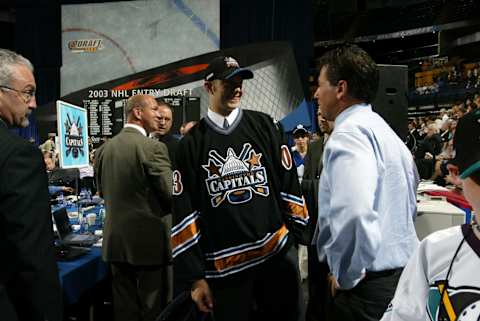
[367, 198]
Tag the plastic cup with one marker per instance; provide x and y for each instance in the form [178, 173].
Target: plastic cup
[91, 219]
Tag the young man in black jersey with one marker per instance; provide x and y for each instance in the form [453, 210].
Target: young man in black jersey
[237, 208]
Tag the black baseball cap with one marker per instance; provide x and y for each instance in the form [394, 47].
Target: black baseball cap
[300, 131]
[225, 67]
[467, 144]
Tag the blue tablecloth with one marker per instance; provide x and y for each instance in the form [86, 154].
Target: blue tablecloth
[83, 273]
[79, 275]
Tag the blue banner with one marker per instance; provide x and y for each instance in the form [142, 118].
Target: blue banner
[73, 135]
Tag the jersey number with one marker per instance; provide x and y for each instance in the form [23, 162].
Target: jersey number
[286, 158]
[177, 183]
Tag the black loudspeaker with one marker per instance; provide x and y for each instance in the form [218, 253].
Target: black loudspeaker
[391, 100]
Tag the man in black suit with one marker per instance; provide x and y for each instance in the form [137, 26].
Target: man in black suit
[164, 127]
[317, 271]
[29, 285]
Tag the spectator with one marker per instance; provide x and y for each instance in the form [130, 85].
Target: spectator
[49, 144]
[163, 134]
[299, 150]
[427, 151]
[412, 137]
[445, 132]
[29, 285]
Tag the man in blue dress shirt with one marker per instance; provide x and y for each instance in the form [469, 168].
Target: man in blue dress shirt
[367, 192]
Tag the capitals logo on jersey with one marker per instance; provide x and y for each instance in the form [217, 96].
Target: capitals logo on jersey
[235, 178]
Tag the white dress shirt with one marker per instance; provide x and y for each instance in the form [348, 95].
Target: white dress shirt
[139, 128]
[367, 198]
[219, 119]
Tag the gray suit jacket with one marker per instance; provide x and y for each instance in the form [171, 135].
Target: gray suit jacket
[134, 177]
[311, 178]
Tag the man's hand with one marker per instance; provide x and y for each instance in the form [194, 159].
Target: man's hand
[202, 295]
[67, 189]
[332, 284]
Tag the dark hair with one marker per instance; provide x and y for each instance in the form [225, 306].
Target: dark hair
[475, 177]
[356, 67]
[162, 102]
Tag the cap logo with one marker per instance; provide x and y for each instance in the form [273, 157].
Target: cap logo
[209, 76]
[231, 63]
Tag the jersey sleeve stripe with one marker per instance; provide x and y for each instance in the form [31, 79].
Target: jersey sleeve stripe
[246, 260]
[184, 223]
[295, 209]
[292, 198]
[186, 234]
[227, 262]
[185, 245]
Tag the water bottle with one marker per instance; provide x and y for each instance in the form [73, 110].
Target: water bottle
[82, 220]
[83, 193]
[101, 215]
[61, 200]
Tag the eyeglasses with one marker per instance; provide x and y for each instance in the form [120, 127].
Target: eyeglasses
[27, 96]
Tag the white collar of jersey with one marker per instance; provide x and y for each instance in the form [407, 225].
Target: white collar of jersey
[139, 128]
[218, 119]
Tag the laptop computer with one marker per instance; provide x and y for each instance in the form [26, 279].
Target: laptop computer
[68, 253]
[65, 231]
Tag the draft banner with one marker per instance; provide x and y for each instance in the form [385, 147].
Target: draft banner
[73, 135]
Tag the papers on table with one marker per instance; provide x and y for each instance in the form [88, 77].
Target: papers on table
[429, 186]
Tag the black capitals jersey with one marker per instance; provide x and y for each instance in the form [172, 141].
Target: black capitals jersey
[236, 197]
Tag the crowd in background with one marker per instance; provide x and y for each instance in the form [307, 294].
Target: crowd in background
[437, 76]
[430, 139]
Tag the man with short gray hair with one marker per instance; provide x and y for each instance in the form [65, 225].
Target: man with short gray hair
[29, 286]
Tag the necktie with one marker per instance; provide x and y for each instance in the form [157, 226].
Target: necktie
[225, 124]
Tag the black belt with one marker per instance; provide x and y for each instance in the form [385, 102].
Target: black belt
[379, 274]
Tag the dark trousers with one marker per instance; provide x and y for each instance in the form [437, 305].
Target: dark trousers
[318, 290]
[368, 300]
[140, 292]
[269, 291]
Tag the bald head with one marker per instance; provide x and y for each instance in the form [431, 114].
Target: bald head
[143, 110]
[166, 118]
[136, 101]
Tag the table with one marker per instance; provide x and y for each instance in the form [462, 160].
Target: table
[82, 274]
[434, 215]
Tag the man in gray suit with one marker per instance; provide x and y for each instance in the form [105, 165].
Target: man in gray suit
[134, 177]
